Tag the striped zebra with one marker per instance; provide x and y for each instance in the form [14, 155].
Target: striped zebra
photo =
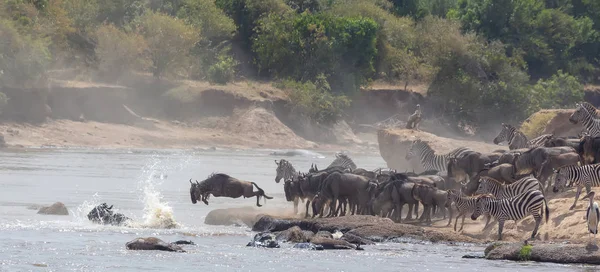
[464, 204]
[285, 171]
[513, 208]
[342, 160]
[586, 114]
[431, 161]
[516, 139]
[491, 186]
[580, 176]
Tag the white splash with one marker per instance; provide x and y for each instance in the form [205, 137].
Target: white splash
[158, 214]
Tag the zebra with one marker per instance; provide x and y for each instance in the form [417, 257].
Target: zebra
[431, 161]
[491, 186]
[580, 176]
[342, 160]
[285, 171]
[586, 114]
[513, 208]
[517, 140]
[464, 204]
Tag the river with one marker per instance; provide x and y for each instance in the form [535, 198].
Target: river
[130, 180]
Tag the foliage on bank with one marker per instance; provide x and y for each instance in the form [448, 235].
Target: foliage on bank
[483, 60]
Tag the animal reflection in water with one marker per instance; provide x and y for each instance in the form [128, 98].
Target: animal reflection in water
[222, 185]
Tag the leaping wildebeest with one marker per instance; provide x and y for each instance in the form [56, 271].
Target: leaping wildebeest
[223, 185]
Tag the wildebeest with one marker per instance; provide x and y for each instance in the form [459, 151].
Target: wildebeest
[555, 162]
[350, 186]
[222, 185]
[504, 172]
[432, 200]
[467, 166]
[589, 149]
[103, 214]
[531, 161]
[292, 191]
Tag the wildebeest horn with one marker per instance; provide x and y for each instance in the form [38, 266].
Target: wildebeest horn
[197, 182]
[191, 182]
[276, 162]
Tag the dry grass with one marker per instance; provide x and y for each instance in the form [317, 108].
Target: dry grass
[536, 124]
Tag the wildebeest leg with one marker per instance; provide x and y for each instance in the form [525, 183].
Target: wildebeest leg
[307, 205]
[576, 197]
[296, 205]
[333, 205]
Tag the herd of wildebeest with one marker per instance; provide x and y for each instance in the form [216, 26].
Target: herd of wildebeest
[504, 185]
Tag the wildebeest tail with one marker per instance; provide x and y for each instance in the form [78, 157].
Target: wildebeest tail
[262, 192]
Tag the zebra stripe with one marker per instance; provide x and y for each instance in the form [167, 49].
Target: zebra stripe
[285, 170]
[586, 114]
[431, 161]
[491, 186]
[342, 160]
[517, 140]
[513, 208]
[463, 204]
[587, 176]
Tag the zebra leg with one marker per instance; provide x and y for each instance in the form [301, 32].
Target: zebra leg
[500, 227]
[576, 197]
[462, 224]
[538, 220]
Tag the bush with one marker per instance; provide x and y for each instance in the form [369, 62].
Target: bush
[314, 100]
[306, 45]
[223, 70]
[118, 52]
[24, 59]
[559, 91]
[169, 41]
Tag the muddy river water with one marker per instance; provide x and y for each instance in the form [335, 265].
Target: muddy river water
[152, 187]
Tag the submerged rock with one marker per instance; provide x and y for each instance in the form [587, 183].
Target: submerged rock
[57, 208]
[103, 214]
[543, 252]
[152, 243]
[267, 240]
[309, 246]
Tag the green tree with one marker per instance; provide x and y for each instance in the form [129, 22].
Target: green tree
[169, 41]
[118, 52]
[559, 91]
[23, 58]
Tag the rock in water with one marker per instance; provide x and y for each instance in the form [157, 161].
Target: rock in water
[57, 208]
[263, 239]
[309, 246]
[152, 243]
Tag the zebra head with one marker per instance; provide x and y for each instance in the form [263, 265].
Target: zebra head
[578, 115]
[283, 167]
[481, 205]
[504, 134]
[410, 153]
[560, 180]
